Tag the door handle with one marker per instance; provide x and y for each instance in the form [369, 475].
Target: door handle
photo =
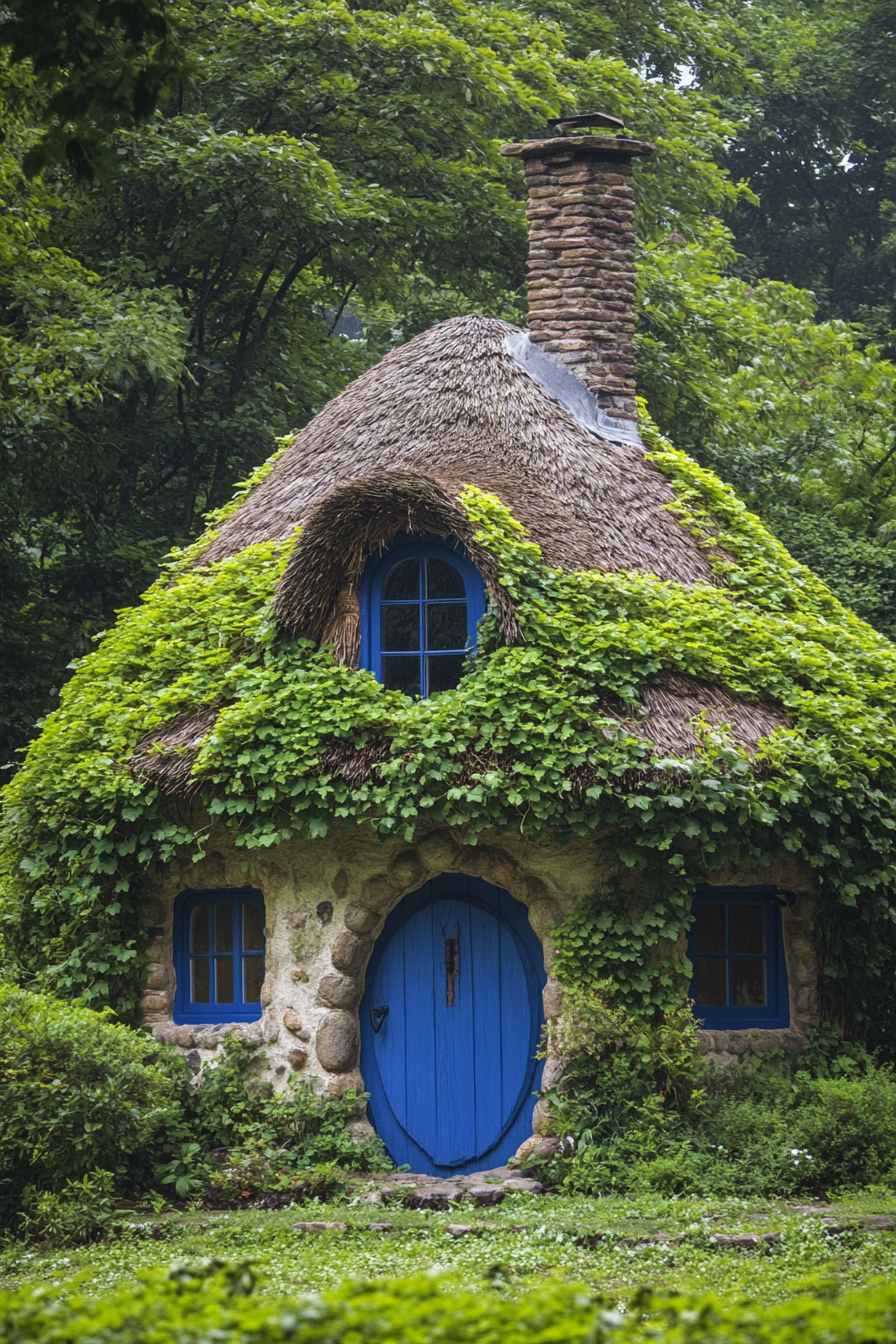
[452, 967]
[378, 1016]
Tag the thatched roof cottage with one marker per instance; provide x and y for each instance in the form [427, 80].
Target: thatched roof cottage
[471, 695]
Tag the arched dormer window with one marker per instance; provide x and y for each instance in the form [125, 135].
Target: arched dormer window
[420, 603]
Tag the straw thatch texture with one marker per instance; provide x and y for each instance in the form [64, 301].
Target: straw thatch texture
[673, 700]
[166, 756]
[453, 407]
[391, 454]
[318, 595]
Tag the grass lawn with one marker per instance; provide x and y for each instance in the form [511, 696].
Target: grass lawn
[525, 1240]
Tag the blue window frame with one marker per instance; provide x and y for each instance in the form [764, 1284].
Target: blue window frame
[219, 955]
[737, 950]
[420, 603]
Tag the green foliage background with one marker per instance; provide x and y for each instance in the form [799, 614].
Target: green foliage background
[81, 832]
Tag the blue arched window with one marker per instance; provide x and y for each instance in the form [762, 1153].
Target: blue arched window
[420, 603]
[219, 955]
[737, 950]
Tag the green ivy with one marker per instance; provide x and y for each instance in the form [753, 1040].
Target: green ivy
[528, 743]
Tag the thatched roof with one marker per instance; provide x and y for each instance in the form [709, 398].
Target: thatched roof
[455, 407]
[458, 406]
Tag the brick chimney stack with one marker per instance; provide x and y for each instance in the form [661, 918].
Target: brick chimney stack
[582, 255]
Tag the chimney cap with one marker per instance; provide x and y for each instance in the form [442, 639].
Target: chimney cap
[587, 119]
[568, 146]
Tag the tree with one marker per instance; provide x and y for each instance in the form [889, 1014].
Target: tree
[818, 145]
[102, 64]
[798, 414]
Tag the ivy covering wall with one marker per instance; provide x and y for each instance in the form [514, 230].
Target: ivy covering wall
[526, 743]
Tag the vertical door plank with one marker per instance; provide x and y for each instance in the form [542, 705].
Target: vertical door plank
[486, 1028]
[421, 1062]
[455, 1063]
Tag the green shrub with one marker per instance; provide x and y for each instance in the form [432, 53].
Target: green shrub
[233, 1109]
[624, 1088]
[248, 1177]
[811, 1124]
[219, 1302]
[810, 1136]
[78, 1092]
[79, 1213]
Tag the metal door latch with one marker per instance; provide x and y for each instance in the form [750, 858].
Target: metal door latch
[378, 1016]
[452, 968]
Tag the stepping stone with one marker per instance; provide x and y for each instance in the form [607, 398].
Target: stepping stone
[869, 1222]
[648, 1239]
[380, 1227]
[439, 1198]
[486, 1195]
[746, 1240]
[521, 1185]
[462, 1230]
[318, 1227]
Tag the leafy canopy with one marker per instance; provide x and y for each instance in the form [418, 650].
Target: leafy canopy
[102, 64]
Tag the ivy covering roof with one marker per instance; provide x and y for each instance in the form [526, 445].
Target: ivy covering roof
[654, 670]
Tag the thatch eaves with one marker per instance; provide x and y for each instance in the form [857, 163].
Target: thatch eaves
[318, 595]
[665, 717]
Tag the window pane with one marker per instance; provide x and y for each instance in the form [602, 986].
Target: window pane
[444, 673]
[199, 931]
[253, 926]
[712, 982]
[253, 978]
[403, 580]
[401, 627]
[443, 580]
[223, 928]
[711, 932]
[748, 982]
[223, 979]
[402, 674]
[747, 928]
[199, 980]
[446, 626]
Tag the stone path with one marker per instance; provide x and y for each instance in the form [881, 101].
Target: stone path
[484, 1188]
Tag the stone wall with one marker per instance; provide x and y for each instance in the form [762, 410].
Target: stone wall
[582, 259]
[326, 901]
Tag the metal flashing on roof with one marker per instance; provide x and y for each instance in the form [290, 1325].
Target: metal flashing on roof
[553, 377]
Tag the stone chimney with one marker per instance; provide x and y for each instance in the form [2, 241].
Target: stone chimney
[582, 255]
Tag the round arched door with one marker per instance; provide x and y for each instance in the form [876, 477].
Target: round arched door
[450, 1025]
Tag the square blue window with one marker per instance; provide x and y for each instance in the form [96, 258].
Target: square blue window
[736, 948]
[219, 948]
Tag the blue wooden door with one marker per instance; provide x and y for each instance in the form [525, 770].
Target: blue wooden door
[451, 1067]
